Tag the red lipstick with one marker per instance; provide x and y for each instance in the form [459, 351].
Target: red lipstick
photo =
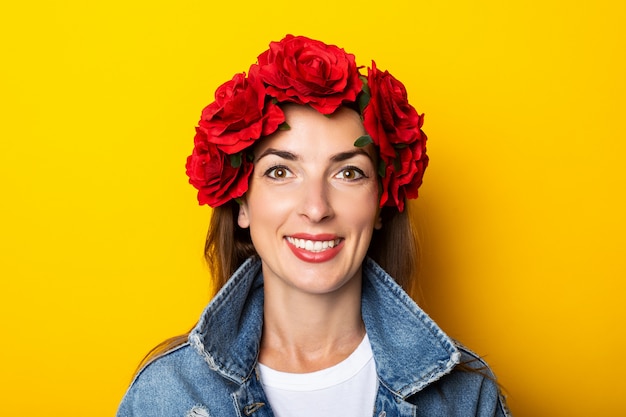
[314, 248]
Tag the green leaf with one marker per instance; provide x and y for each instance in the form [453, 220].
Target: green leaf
[365, 87]
[235, 160]
[382, 168]
[363, 99]
[284, 126]
[364, 96]
[363, 141]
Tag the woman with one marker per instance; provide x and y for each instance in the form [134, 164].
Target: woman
[308, 164]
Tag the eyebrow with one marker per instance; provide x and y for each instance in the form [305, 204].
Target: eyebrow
[282, 154]
[343, 156]
[290, 156]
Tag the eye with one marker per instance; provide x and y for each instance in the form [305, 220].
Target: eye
[278, 172]
[350, 174]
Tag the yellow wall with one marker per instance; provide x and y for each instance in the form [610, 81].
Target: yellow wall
[522, 209]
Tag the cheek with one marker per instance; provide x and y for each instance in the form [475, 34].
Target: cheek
[363, 208]
[266, 209]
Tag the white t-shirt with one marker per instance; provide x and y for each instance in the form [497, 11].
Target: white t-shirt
[343, 390]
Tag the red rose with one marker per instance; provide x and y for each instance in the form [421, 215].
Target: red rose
[404, 174]
[395, 128]
[211, 172]
[306, 71]
[240, 113]
[389, 118]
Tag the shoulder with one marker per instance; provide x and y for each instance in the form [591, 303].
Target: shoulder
[472, 362]
[168, 385]
[471, 388]
[169, 364]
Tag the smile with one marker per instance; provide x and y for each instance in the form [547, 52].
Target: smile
[313, 245]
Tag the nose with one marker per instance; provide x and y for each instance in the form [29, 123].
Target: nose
[315, 201]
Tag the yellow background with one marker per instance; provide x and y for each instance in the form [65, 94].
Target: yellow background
[522, 210]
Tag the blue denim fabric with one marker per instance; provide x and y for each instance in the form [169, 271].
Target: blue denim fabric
[214, 374]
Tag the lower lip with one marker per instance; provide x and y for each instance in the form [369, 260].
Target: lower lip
[315, 257]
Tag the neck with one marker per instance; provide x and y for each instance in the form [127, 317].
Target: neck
[305, 332]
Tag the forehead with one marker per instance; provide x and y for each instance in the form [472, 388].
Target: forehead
[312, 133]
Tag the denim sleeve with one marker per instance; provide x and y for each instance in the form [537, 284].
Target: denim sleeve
[469, 390]
[167, 387]
[491, 402]
[154, 394]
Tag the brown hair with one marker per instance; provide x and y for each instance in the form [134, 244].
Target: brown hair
[228, 246]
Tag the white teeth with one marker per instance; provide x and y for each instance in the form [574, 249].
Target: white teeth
[313, 245]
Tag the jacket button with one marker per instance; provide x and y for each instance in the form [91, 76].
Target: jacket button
[251, 408]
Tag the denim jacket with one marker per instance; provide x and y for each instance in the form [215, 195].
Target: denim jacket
[215, 372]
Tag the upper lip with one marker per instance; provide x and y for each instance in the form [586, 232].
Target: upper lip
[315, 237]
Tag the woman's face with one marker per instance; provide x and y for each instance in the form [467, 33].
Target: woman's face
[312, 203]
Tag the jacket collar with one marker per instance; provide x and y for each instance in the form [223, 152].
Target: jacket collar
[410, 352]
[228, 333]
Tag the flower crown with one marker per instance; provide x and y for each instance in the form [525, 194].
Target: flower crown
[308, 72]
